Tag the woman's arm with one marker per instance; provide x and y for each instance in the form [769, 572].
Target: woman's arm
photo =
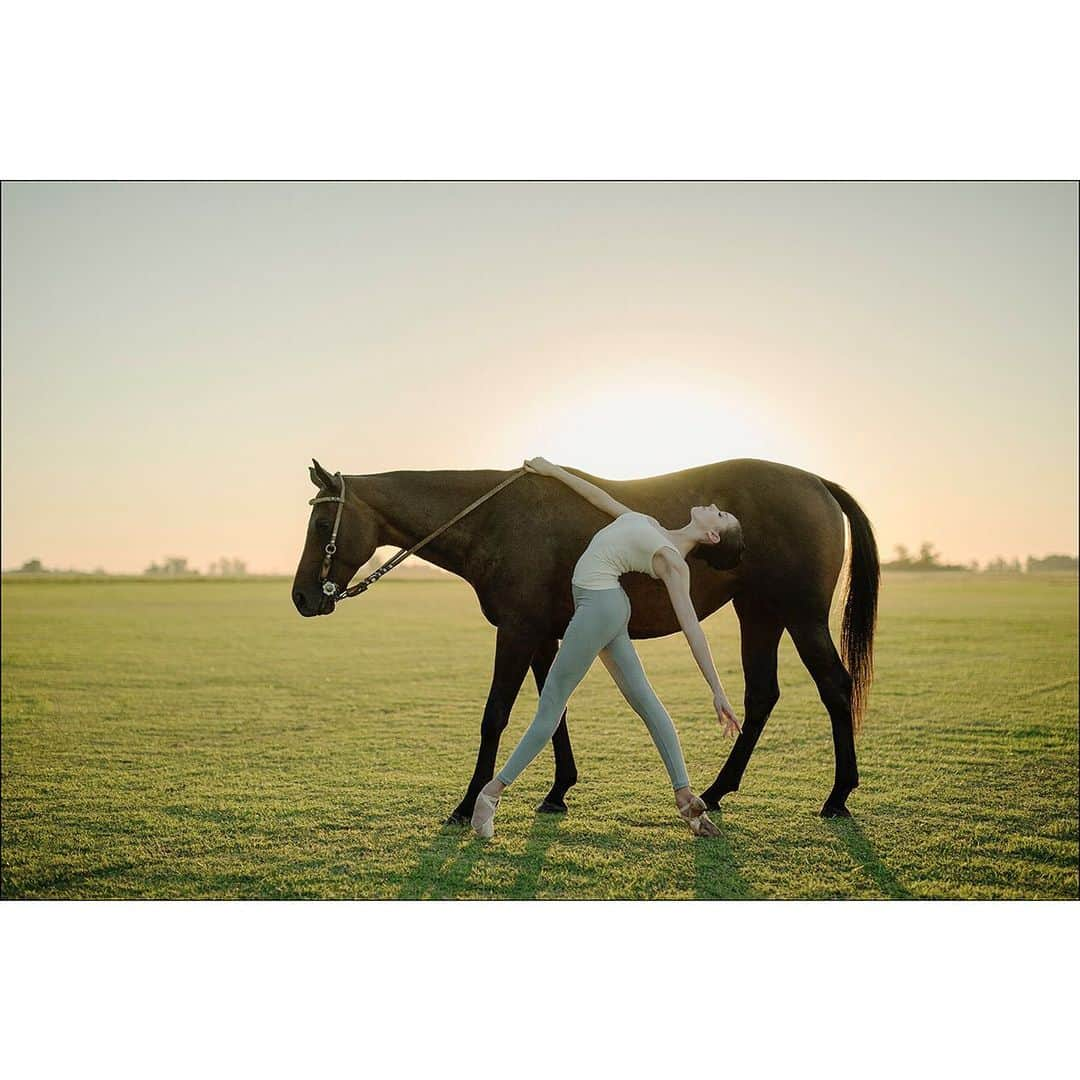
[677, 580]
[675, 575]
[587, 490]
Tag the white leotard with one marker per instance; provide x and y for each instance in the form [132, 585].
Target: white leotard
[628, 543]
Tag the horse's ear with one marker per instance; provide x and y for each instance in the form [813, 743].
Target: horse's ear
[320, 477]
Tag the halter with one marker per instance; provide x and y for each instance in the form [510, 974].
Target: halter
[332, 590]
[328, 587]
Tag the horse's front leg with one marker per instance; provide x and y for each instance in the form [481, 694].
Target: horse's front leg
[514, 648]
[565, 767]
[760, 632]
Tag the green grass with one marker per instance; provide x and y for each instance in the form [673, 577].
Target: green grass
[200, 739]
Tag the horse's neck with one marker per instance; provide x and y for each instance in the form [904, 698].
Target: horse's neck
[415, 503]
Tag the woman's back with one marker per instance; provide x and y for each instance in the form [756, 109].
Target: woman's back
[627, 543]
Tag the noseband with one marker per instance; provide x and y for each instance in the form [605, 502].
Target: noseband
[330, 589]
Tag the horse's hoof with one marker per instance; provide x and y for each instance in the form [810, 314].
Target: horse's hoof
[458, 818]
[711, 800]
[548, 806]
[830, 810]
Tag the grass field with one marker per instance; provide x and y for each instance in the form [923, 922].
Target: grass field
[200, 739]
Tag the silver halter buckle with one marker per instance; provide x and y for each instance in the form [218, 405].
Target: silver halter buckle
[329, 588]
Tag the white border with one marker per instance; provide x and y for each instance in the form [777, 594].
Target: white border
[533, 988]
[582, 89]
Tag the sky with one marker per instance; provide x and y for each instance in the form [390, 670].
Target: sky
[174, 354]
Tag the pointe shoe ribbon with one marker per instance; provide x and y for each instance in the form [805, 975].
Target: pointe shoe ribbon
[694, 814]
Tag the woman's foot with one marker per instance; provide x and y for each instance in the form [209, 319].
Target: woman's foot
[483, 815]
[692, 811]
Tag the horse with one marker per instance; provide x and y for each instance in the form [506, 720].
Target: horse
[518, 548]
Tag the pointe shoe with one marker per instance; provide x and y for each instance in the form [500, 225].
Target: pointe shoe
[483, 815]
[693, 813]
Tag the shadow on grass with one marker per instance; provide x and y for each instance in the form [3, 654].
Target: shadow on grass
[862, 851]
[544, 831]
[444, 865]
[443, 868]
[63, 879]
[717, 873]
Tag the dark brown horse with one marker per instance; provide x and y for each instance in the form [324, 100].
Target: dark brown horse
[518, 549]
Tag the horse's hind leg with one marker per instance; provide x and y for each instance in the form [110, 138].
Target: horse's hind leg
[817, 651]
[565, 768]
[760, 629]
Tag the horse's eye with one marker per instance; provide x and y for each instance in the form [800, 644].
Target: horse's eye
[322, 526]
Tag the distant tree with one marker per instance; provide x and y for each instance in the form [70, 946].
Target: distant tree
[224, 567]
[928, 557]
[1051, 563]
[903, 558]
[32, 566]
[974, 566]
[1002, 566]
[174, 566]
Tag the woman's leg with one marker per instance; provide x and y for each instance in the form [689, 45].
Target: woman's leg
[598, 615]
[622, 661]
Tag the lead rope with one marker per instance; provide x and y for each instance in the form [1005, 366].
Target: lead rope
[394, 560]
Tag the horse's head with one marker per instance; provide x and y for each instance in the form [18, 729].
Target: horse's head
[330, 558]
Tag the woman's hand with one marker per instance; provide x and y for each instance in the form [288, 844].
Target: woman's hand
[725, 713]
[539, 465]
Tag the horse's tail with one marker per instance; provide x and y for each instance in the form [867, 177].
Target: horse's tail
[860, 606]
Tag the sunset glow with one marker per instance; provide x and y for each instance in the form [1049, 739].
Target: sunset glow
[174, 354]
[644, 430]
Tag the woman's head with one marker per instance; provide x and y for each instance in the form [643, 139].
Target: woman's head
[721, 531]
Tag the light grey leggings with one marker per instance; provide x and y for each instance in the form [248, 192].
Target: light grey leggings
[598, 627]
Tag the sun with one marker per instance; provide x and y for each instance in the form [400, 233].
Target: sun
[629, 432]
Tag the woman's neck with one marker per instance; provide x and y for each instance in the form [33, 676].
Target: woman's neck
[686, 538]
